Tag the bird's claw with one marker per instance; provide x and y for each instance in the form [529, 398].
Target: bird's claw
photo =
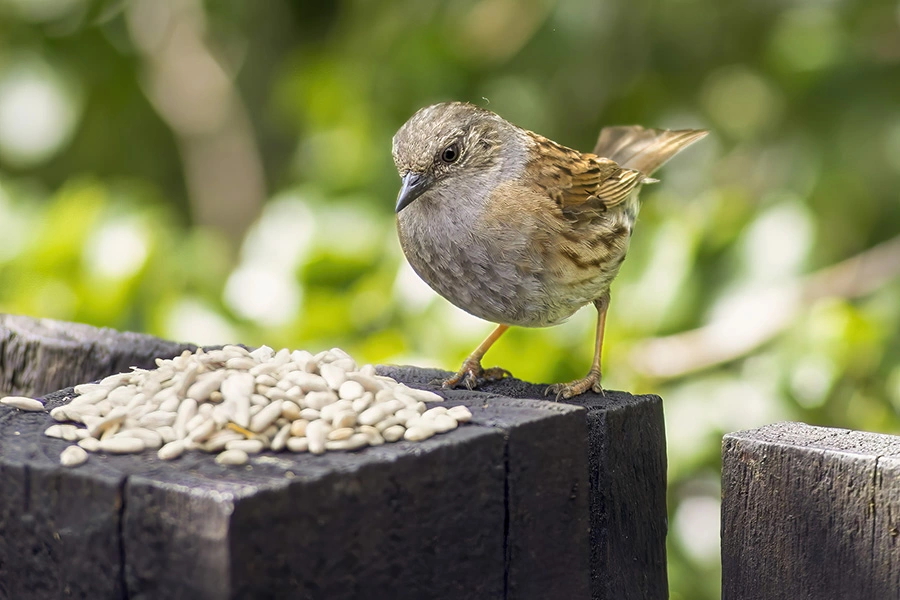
[472, 374]
[564, 391]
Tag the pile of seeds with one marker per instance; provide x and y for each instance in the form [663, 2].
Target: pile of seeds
[235, 402]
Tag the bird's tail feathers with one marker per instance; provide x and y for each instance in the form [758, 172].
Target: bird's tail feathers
[642, 149]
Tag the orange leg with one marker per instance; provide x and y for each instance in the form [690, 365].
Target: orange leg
[592, 381]
[471, 374]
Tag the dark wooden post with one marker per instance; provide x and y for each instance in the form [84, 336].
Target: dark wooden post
[533, 499]
[810, 512]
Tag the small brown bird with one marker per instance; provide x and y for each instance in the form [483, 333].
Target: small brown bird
[515, 228]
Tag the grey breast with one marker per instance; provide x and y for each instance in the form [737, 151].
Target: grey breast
[493, 277]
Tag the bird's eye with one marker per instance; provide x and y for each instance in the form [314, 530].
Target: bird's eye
[450, 154]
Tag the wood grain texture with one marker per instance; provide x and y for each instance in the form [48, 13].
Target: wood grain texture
[810, 512]
[534, 499]
[39, 356]
[627, 467]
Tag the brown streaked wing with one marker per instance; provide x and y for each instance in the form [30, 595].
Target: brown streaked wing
[579, 183]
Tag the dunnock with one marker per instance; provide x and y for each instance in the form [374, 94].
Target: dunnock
[515, 228]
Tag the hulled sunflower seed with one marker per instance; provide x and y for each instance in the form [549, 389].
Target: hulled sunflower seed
[73, 456]
[23, 403]
[232, 457]
[245, 402]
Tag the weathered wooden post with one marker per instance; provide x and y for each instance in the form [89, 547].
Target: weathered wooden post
[533, 499]
[810, 512]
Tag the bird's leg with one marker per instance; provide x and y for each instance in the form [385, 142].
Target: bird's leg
[471, 373]
[592, 381]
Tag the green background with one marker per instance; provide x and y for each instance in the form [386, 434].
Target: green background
[220, 172]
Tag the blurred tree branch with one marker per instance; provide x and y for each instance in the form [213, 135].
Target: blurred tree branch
[756, 317]
[197, 98]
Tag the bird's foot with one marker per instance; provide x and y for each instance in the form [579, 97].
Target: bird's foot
[564, 391]
[472, 374]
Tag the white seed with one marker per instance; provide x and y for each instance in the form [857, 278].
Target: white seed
[122, 445]
[308, 382]
[56, 431]
[301, 357]
[157, 418]
[341, 434]
[90, 444]
[405, 414]
[347, 364]
[240, 411]
[290, 410]
[351, 390]
[92, 396]
[276, 393]
[372, 415]
[417, 434]
[220, 439]
[202, 431]
[217, 400]
[393, 433]
[121, 395]
[266, 380]
[384, 395]
[109, 431]
[232, 457]
[86, 388]
[392, 406]
[388, 422]
[298, 428]
[259, 400]
[344, 418]
[281, 357]
[171, 450]
[374, 436]
[248, 446]
[241, 363]
[265, 417]
[116, 380]
[433, 412]
[195, 422]
[444, 423]
[109, 422]
[328, 412]
[23, 403]
[151, 439]
[61, 413]
[170, 403]
[361, 404]
[316, 433]
[264, 369]
[237, 386]
[354, 442]
[334, 376]
[461, 413]
[281, 438]
[206, 384]
[318, 400]
[310, 414]
[73, 456]
[298, 444]
[369, 383]
[186, 411]
[167, 434]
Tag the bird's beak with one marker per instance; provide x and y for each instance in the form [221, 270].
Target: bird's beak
[414, 185]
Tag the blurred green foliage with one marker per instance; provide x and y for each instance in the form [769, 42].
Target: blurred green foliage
[220, 171]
